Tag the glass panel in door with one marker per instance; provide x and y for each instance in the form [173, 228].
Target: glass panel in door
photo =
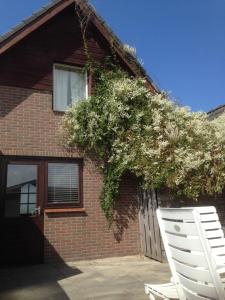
[21, 190]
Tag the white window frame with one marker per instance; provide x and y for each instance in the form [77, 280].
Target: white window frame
[67, 67]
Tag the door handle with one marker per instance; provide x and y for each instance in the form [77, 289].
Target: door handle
[38, 210]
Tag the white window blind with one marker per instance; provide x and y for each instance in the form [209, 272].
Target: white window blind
[63, 183]
[70, 85]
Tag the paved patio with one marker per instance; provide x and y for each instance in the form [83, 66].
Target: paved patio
[109, 279]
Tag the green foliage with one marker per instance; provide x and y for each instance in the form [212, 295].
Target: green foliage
[129, 129]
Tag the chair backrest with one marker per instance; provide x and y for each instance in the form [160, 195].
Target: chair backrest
[195, 247]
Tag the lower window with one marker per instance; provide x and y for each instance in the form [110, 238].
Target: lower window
[63, 183]
[26, 185]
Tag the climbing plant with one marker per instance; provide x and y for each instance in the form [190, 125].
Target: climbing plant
[128, 128]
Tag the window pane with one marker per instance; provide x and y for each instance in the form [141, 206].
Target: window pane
[23, 198]
[20, 176]
[61, 89]
[69, 87]
[78, 86]
[31, 188]
[63, 183]
[32, 198]
[24, 188]
[23, 209]
[20, 189]
[31, 209]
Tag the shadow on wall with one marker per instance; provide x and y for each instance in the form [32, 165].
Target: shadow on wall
[168, 199]
[126, 206]
[12, 97]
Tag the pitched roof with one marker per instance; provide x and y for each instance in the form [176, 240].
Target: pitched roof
[47, 12]
[216, 112]
[28, 20]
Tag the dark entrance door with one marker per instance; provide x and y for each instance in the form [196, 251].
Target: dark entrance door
[149, 227]
[21, 223]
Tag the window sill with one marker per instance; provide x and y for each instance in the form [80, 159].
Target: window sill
[60, 112]
[64, 210]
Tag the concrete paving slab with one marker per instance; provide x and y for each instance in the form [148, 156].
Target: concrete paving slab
[108, 279]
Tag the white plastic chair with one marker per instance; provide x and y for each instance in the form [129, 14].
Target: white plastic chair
[195, 249]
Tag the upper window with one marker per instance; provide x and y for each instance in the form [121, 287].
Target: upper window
[70, 86]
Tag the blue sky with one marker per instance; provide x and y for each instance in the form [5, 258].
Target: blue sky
[182, 43]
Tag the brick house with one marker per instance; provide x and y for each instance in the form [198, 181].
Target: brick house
[49, 196]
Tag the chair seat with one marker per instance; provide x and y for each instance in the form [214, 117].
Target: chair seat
[164, 291]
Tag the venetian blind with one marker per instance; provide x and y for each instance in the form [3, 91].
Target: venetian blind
[63, 183]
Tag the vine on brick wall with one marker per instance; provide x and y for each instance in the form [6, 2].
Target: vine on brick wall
[128, 128]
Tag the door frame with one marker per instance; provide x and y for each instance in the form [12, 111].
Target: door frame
[38, 218]
[7, 160]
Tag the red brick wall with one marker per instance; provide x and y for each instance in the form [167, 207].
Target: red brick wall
[84, 236]
[28, 124]
[29, 127]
